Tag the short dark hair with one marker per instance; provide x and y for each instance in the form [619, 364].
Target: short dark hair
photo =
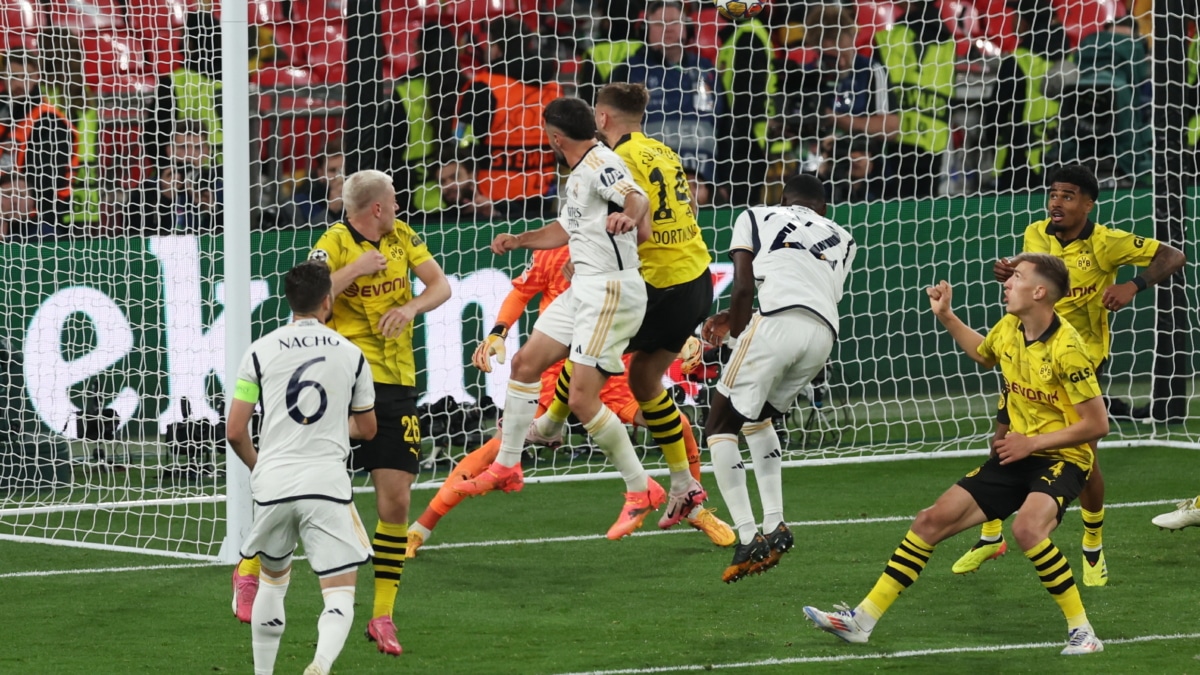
[1078, 175]
[1050, 268]
[805, 189]
[306, 285]
[573, 116]
[629, 98]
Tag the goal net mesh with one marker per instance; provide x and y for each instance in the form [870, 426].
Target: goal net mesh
[934, 131]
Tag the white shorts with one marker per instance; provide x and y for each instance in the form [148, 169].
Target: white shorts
[776, 356]
[597, 317]
[333, 534]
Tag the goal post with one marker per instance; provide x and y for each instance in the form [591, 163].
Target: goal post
[237, 250]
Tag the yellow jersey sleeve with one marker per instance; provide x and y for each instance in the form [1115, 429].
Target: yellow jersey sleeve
[1075, 371]
[414, 248]
[989, 348]
[1036, 240]
[1115, 248]
[331, 248]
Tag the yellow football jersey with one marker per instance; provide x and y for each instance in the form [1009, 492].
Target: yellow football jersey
[356, 312]
[1044, 378]
[1092, 260]
[675, 253]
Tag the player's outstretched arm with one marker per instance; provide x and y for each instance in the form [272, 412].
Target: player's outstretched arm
[966, 337]
[550, 236]
[1167, 261]
[238, 432]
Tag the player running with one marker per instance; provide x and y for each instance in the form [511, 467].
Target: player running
[307, 377]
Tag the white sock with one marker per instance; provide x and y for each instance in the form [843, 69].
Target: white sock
[681, 481]
[520, 405]
[731, 480]
[267, 621]
[608, 433]
[548, 426]
[864, 619]
[768, 470]
[334, 625]
[421, 530]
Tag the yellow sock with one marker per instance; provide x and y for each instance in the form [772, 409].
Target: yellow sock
[991, 530]
[662, 419]
[251, 566]
[1055, 573]
[1093, 527]
[901, 571]
[391, 539]
[559, 410]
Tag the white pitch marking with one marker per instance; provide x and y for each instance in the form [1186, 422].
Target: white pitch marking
[546, 540]
[872, 657]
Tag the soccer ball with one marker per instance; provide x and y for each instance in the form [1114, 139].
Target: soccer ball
[736, 10]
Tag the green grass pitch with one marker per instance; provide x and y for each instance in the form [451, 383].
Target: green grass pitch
[565, 600]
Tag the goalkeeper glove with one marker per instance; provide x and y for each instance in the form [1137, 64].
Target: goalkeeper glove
[691, 355]
[492, 345]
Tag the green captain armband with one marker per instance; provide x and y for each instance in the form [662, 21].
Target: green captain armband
[246, 391]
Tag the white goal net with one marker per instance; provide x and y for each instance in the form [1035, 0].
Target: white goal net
[133, 165]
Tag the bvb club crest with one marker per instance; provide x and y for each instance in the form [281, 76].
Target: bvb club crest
[1045, 372]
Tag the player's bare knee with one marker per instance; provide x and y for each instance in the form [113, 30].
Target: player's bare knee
[524, 368]
[392, 505]
[585, 405]
[1030, 530]
[936, 523]
[722, 419]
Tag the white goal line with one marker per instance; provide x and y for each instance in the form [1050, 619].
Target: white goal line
[827, 461]
[840, 658]
[209, 562]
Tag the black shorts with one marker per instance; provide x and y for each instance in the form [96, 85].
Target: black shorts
[1002, 405]
[672, 314]
[1001, 490]
[397, 443]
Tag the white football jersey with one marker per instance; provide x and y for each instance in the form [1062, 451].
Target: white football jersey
[800, 259]
[596, 183]
[310, 379]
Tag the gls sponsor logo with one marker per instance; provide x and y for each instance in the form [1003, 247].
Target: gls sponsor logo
[1080, 375]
